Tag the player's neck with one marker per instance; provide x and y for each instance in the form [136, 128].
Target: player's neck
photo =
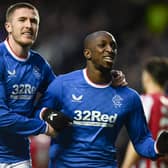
[18, 50]
[154, 88]
[98, 77]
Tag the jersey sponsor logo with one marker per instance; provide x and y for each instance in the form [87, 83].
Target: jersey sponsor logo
[94, 118]
[23, 91]
[76, 98]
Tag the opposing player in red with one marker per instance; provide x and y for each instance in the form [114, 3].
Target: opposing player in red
[154, 80]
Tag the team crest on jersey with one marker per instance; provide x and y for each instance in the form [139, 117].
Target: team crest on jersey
[117, 101]
[36, 72]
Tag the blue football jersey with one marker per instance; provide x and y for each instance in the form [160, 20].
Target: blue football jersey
[98, 113]
[20, 81]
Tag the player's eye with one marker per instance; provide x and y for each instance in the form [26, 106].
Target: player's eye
[113, 45]
[34, 21]
[21, 19]
[101, 45]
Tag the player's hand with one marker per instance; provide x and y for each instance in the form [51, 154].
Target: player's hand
[118, 78]
[56, 119]
[162, 143]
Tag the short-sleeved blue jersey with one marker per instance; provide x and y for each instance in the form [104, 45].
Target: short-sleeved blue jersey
[98, 113]
[20, 80]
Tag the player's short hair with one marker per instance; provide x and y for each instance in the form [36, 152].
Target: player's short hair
[90, 37]
[19, 5]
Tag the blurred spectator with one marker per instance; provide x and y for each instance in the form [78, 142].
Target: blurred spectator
[154, 81]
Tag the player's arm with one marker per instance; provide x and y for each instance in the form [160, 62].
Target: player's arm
[58, 120]
[131, 157]
[49, 107]
[18, 124]
[138, 129]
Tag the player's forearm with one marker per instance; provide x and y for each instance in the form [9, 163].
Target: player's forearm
[18, 124]
[131, 157]
[146, 149]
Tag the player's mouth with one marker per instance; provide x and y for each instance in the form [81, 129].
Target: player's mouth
[27, 34]
[108, 59]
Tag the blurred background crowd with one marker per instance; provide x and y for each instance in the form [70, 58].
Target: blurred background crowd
[139, 26]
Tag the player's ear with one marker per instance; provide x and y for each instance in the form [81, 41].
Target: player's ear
[87, 54]
[8, 27]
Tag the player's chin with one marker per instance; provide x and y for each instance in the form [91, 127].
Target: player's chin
[108, 65]
[106, 69]
[27, 42]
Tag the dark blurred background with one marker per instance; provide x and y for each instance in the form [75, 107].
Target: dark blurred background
[139, 26]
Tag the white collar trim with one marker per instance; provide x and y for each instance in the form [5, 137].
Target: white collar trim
[93, 84]
[14, 55]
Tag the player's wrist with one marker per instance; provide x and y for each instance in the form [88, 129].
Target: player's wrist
[56, 119]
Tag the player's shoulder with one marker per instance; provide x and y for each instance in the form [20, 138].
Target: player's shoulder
[74, 75]
[130, 91]
[68, 78]
[37, 57]
[3, 52]
[2, 45]
[153, 97]
[36, 54]
[2, 48]
[147, 98]
[131, 96]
